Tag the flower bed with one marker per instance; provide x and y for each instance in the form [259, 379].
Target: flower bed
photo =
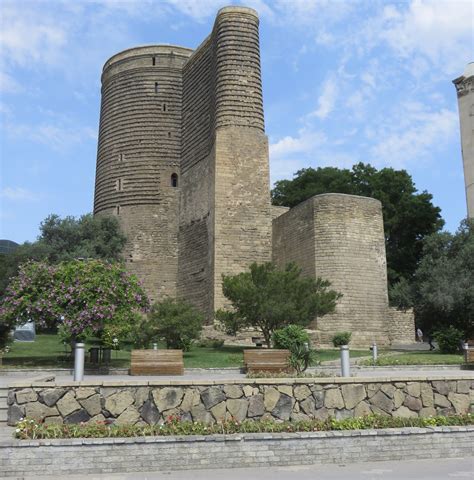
[30, 429]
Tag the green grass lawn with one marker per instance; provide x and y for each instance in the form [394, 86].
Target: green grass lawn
[48, 351]
[418, 358]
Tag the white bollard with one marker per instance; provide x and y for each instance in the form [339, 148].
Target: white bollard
[374, 353]
[345, 362]
[155, 346]
[79, 362]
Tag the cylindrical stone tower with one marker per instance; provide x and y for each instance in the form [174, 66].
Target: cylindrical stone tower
[138, 159]
[465, 91]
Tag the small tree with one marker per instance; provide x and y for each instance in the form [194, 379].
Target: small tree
[267, 298]
[174, 321]
[86, 297]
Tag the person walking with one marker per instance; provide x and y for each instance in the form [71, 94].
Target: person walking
[419, 335]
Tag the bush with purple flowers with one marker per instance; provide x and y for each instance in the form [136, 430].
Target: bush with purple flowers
[89, 297]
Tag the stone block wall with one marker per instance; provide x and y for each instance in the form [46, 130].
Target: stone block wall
[401, 328]
[213, 401]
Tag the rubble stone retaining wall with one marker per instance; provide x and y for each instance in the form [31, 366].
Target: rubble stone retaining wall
[136, 402]
[126, 455]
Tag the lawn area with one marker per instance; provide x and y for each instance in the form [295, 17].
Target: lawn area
[417, 358]
[48, 351]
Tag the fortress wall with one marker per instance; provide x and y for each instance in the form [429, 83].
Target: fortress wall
[139, 148]
[293, 238]
[340, 238]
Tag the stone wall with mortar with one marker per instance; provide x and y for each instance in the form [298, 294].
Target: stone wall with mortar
[135, 402]
[401, 328]
[92, 456]
[340, 238]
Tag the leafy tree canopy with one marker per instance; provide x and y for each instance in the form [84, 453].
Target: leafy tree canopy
[268, 299]
[66, 239]
[87, 298]
[409, 216]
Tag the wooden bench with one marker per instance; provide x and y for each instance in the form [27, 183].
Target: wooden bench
[267, 360]
[157, 362]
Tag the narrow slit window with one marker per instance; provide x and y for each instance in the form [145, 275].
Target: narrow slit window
[121, 157]
[118, 185]
[157, 87]
[174, 180]
[117, 210]
[154, 61]
[169, 134]
[164, 107]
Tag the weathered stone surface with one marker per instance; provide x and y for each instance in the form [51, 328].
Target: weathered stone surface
[53, 420]
[118, 402]
[318, 396]
[353, 394]
[362, 409]
[372, 389]
[15, 414]
[200, 414]
[107, 391]
[237, 408]
[321, 413]
[299, 417]
[233, 391]
[26, 395]
[283, 407]
[219, 411]
[443, 387]
[51, 395]
[308, 406]
[441, 401]
[301, 392]
[460, 401]
[413, 389]
[271, 397]
[413, 403]
[427, 412]
[98, 418]
[388, 389]
[256, 406]
[191, 398]
[426, 394]
[79, 416]
[167, 398]
[286, 389]
[380, 400]
[342, 414]
[398, 399]
[84, 392]
[92, 405]
[333, 399]
[142, 394]
[150, 413]
[404, 412]
[130, 416]
[248, 390]
[463, 386]
[212, 396]
[68, 404]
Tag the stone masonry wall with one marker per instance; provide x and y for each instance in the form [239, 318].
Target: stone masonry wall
[211, 401]
[401, 326]
[341, 238]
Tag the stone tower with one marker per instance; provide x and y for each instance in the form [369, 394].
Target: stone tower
[465, 92]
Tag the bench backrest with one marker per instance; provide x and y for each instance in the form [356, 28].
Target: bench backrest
[156, 362]
[266, 355]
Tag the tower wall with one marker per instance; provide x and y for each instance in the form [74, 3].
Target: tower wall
[341, 238]
[139, 149]
[465, 93]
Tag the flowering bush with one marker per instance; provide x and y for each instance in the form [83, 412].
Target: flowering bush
[87, 297]
[30, 429]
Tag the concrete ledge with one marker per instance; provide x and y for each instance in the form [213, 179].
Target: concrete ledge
[126, 455]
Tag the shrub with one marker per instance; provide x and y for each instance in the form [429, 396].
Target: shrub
[295, 339]
[341, 338]
[449, 339]
[210, 343]
[174, 321]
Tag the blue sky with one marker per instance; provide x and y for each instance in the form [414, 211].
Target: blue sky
[344, 81]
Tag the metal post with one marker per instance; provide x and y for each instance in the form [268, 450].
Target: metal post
[79, 362]
[155, 346]
[374, 353]
[345, 363]
[465, 351]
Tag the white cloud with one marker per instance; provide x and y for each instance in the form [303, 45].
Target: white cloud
[326, 100]
[18, 194]
[304, 143]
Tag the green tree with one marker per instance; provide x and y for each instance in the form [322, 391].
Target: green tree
[442, 292]
[174, 321]
[85, 297]
[267, 298]
[66, 239]
[409, 216]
